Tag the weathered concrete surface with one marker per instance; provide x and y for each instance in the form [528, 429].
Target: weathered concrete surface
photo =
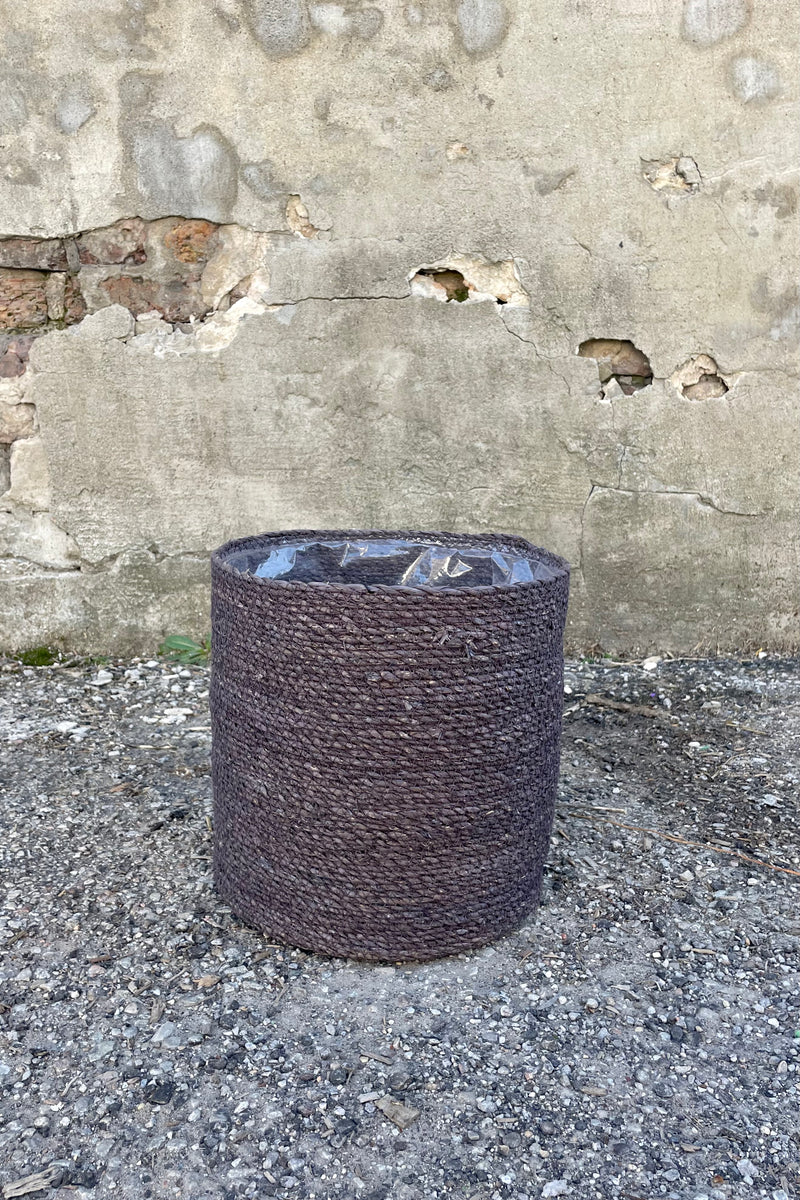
[630, 160]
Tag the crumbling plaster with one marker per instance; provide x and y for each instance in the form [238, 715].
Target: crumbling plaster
[619, 170]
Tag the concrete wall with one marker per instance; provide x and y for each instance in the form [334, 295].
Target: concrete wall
[274, 263]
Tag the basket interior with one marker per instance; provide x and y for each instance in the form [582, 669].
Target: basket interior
[391, 561]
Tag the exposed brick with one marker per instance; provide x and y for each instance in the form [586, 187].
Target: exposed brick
[23, 303]
[190, 241]
[121, 243]
[16, 421]
[240, 289]
[55, 291]
[37, 254]
[176, 300]
[13, 355]
[74, 303]
[10, 367]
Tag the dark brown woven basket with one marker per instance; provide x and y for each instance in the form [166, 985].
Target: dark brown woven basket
[385, 758]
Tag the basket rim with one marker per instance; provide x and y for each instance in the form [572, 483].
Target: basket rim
[219, 560]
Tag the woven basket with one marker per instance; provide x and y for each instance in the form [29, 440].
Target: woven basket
[385, 757]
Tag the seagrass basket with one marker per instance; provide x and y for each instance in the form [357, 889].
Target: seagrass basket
[386, 716]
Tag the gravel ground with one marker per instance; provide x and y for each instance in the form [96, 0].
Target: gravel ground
[638, 1038]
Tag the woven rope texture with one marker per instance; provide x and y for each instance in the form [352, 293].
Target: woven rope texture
[385, 759]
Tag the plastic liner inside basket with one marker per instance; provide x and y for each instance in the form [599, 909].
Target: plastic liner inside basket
[392, 562]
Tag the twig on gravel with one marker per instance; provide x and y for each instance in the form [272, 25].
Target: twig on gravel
[747, 729]
[643, 710]
[31, 1183]
[138, 991]
[674, 837]
[598, 808]
[401, 1115]
[382, 1058]
[16, 937]
[265, 953]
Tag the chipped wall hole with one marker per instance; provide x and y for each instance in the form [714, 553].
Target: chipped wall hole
[452, 284]
[618, 362]
[298, 220]
[679, 174]
[699, 379]
[466, 279]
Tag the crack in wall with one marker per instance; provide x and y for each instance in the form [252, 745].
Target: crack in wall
[582, 536]
[702, 498]
[151, 554]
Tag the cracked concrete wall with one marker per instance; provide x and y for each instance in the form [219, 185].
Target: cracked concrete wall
[238, 223]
